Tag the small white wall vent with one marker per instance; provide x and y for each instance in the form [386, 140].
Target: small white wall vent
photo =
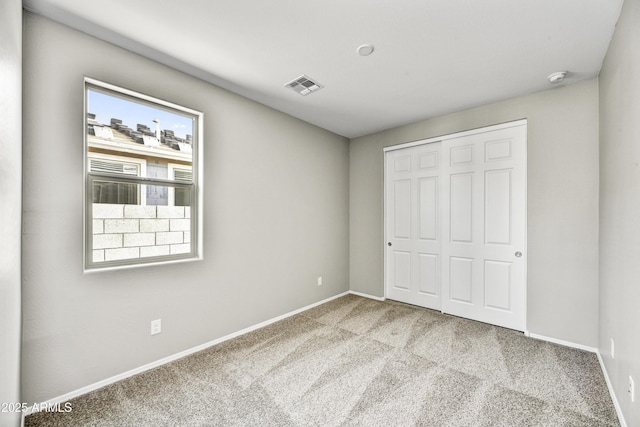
[304, 85]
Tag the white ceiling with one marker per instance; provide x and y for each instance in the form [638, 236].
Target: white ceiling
[431, 57]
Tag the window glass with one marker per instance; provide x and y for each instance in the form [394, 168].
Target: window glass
[141, 180]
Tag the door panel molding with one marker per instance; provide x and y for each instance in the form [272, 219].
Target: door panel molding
[464, 237]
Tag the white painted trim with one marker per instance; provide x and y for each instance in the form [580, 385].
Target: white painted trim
[561, 342]
[476, 131]
[360, 294]
[385, 174]
[176, 356]
[95, 386]
[616, 404]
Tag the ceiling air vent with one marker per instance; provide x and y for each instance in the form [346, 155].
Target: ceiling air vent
[304, 85]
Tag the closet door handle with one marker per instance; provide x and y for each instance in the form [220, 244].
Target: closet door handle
[389, 244]
[518, 254]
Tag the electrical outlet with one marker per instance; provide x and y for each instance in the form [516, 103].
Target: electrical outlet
[156, 326]
[320, 281]
[613, 349]
[632, 389]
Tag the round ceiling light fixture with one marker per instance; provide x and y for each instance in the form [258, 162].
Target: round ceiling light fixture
[365, 50]
[557, 77]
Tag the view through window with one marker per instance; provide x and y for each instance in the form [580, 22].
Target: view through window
[141, 178]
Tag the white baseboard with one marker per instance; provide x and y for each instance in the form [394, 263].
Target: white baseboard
[95, 386]
[562, 342]
[360, 294]
[616, 404]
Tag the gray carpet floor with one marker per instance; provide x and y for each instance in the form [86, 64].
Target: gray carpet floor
[359, 362]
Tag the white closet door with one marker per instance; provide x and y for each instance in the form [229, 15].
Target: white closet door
[413, 228]
[455, 225]
[484, 227]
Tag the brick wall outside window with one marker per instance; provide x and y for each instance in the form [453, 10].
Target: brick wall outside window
[133, 231]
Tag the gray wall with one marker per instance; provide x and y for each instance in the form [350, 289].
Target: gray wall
[10, 203]
[562, 197]
[276, 217]
[620, 208]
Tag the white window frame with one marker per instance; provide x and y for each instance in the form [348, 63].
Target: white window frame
[196, 207]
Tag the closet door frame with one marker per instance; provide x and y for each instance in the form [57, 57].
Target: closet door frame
[443, 140]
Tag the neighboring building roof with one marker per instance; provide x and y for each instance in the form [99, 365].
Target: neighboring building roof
[143, 141]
